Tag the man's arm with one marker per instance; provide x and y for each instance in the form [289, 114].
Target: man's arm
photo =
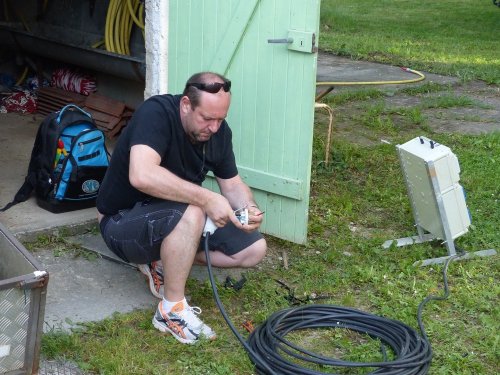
[239, 195]
[146, 175]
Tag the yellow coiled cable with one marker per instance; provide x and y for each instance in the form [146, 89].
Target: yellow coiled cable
[120, 18]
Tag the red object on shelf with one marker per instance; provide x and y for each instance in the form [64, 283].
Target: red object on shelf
[73, 81]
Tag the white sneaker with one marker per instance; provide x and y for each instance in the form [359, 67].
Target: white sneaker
[183, 323]
[154, 272]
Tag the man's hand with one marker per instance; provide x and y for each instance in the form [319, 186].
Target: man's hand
[239, 194]
[219, 210]
[255, 218]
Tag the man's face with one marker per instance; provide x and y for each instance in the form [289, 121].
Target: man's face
[205, 120]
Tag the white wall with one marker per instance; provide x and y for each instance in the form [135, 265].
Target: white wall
[156, 47]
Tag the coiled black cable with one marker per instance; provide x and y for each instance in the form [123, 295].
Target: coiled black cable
[413, 355]
[272, 353]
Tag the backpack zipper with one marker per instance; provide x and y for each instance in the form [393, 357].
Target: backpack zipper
[82, 143]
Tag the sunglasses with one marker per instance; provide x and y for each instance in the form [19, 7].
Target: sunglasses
[211, 87]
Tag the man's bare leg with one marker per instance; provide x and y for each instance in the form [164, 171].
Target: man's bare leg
[178, 251]
[248, 257]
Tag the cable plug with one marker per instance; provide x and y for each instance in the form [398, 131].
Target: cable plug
[242, 215]
[210, 227]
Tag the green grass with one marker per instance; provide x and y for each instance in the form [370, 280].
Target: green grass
[353, 96]
[457, 38]
[380, 117]
[59, 246]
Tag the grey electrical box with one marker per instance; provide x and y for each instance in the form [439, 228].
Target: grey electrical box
[432, 174]
[23, 288]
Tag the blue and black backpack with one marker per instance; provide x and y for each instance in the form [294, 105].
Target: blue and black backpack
[68, 162]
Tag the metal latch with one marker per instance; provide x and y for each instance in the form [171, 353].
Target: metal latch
[302, 41]
[282, 41]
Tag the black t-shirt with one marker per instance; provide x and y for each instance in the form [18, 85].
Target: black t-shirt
[157, 124]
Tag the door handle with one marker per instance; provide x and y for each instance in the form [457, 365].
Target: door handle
[282, 41]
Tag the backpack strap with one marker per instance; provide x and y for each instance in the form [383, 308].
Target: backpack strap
[23, 193]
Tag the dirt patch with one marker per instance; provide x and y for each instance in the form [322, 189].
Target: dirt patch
[468, 108]
[483, 116]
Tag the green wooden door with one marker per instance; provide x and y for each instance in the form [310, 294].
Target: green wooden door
[267, 49]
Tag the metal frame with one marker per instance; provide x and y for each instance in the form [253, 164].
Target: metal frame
[33, 281]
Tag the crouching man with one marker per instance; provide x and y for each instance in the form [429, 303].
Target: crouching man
[152, 207]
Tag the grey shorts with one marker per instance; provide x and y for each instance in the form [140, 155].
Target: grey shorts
[136, 234]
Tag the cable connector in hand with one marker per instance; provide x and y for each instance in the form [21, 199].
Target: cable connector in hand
[242, 215]
[210, 227]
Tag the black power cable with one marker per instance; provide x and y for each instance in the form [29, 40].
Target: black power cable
[254, 357]
[272, 354]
